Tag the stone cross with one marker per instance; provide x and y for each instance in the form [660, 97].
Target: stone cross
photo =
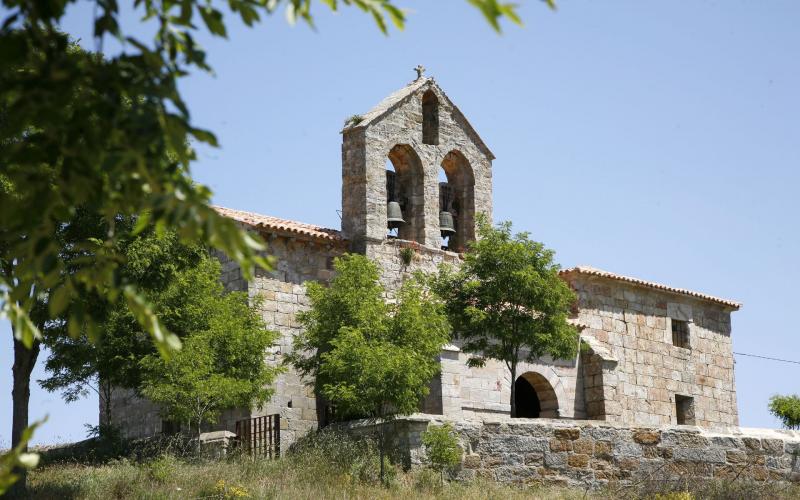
[420, 69]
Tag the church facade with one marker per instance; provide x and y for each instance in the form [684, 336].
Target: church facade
[650, 354]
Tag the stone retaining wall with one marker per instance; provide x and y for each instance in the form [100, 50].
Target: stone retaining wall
[587, 453]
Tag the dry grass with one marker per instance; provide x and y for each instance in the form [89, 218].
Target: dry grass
[327, 467]
[256, 479]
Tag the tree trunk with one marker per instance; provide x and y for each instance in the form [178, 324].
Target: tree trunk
[24, 361]
[513, 369]
[380, 448]
[199, 421]
[105, 394]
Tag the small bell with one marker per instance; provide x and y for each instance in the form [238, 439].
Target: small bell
[394, 215]
[446, 225]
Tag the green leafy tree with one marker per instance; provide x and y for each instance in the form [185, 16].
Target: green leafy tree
[370, 359]
[182, 283]
[441, 447]
[786, 409]
[220, 367]
[108, 134]
[506, 301]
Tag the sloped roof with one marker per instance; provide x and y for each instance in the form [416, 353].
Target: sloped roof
[398, 97]
[281, 226]
[591, 271]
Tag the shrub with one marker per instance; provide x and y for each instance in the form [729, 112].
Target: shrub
[161, 469]
[787, 409]
[441, 446]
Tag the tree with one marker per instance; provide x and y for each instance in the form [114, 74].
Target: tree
[786, 409]
[109, 134]
[368, 358]
[181, 281]
[441, 447]
[220, 367]
[84, 130]
[507, 302]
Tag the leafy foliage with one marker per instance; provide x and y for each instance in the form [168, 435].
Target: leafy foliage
[16, 458]
[182, 283]
[83, 133]
[109, 135]
[787, 409]
[220, 367]
[507, 302]
[370, 358]
[441, 447]
[354, 300]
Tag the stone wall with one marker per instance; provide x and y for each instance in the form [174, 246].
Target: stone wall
[386, 253]
[283, 295]
[590, 453]
[137, 417]
[638, 371]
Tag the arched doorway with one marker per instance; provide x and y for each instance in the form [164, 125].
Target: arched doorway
[535, 397]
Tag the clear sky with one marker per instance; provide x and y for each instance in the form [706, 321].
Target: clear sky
[654, 139]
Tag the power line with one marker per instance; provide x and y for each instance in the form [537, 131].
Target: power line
[766, 357]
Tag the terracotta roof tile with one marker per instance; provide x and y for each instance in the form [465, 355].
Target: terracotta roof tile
[591, 271]
[274, 224]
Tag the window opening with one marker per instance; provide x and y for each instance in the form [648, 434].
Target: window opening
[680, 333]
[684, 409]
[430, 118]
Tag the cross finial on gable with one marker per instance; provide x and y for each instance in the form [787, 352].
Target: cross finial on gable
[420, 69]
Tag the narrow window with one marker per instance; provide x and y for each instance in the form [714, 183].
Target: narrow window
[684, 409]
[680, 333]
[430, 118]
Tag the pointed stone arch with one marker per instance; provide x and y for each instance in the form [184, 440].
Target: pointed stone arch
[409, 190]
[461, 180]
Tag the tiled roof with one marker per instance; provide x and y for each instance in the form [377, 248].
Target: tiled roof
[396, 98]
[287, 227]
[591, 271]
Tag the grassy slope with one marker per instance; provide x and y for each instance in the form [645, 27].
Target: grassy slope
[325, 465]
[168, 478]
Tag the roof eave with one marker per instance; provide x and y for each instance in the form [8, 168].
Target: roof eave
[726, 303]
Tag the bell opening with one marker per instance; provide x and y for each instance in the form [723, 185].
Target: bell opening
[394, 211]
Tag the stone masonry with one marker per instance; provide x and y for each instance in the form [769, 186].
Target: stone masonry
[650, 354]
[592, 453]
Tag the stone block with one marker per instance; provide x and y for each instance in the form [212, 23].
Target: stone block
[583, 445]
[751, 443]
[536, 458]
[578, 460]
[555, 460]
[628, 463]
[560, 445]
[624, 449]
[571, 433]
[603, 449]
[643, 436]
[772, 446]
[715, 456]
[684, 438]
[736, 456]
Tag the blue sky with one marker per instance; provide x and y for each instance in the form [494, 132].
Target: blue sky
[654, 139]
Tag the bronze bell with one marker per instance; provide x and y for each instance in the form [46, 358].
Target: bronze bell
[394, 215]
[446, 225]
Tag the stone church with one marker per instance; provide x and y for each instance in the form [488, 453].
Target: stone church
[652, 354]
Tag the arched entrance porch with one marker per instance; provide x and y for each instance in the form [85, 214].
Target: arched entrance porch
[535, 397]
